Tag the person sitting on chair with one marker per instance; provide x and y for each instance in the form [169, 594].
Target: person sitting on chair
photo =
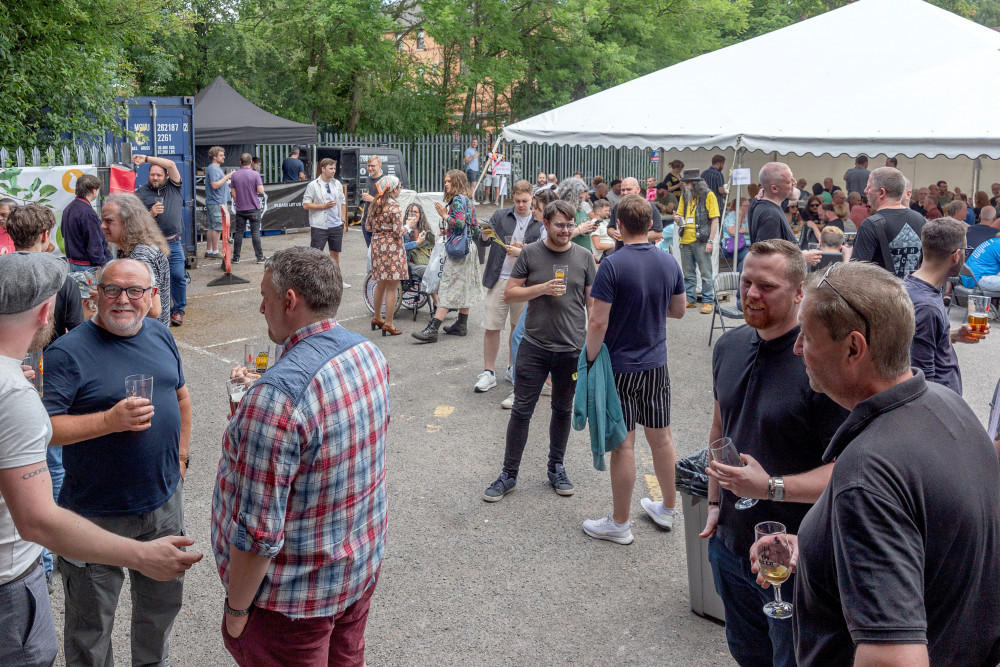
[418, 242]
[831, 244]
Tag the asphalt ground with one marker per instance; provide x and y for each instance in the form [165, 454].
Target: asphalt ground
[465, 582]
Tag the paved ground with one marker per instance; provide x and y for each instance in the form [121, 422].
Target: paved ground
[465, 582]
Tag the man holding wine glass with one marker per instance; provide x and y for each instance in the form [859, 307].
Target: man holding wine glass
[897, 560]
[765, 407]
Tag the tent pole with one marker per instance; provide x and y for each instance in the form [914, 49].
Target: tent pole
[977, 169]
[716, 242]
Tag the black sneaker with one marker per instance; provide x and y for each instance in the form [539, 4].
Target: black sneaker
[234, 260]
[261, 260]
[500, 488]
[560, 482]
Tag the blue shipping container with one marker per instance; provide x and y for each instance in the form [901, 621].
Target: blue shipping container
[164, 127]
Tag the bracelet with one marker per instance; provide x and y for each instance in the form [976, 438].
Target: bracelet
[770, 488]
[185, 459]
[236, 612]
[713, 503]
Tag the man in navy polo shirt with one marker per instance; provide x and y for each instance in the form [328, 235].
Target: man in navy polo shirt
[781, 427]
[635, 291]
[121, 473]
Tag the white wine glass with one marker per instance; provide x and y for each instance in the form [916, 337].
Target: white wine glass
[724, 451]
[774, 558]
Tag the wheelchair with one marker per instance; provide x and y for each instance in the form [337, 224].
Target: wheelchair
[409, 295]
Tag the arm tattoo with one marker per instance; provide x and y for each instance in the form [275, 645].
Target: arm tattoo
[34, 473]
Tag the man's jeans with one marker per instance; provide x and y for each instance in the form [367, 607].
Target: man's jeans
[515, 341]
[990, 283]
[53, 459]
[253, 216]
[533, 365]
[92, 594]
[754, 638]
[178, 282]
[692, 253]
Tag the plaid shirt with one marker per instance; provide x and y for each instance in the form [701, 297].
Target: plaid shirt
[302, 474]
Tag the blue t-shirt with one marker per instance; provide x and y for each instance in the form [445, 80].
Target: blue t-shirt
[122, 473]
[291, 167]
[638, 281]
[472, 165]
[985, 261]
[931, 350]
[214, 173]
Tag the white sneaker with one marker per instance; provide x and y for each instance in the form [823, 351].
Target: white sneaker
[347, 285]
[658, 513]
[509, 374]
[508, 402]
[607, 529]
[546, 390]
[487, 380]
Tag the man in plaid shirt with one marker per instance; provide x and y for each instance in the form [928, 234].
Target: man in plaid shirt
[299, 510]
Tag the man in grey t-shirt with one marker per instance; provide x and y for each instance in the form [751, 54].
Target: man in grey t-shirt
[554, 276]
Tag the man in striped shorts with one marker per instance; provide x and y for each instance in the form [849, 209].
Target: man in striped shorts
[634, 293]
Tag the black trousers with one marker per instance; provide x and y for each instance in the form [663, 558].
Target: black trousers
[242, 217]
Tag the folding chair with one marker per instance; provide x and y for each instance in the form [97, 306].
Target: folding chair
[725, 282]
[963, 292]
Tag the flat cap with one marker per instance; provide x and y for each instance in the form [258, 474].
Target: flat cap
[29, 278]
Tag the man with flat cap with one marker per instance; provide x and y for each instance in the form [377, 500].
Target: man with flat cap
[29, 517]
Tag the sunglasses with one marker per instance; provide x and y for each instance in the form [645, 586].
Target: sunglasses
[849, 304]
[813, 205]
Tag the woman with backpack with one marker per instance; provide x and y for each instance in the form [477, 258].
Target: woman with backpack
[460, 286]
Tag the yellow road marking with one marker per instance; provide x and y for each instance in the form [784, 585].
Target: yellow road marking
[654, 488]
[444, 410]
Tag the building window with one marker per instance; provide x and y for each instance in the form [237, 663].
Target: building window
[420, 40]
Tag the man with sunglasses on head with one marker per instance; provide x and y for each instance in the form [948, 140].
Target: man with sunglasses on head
[125, 459]
[912, 500]
[327, 206]
[763, 402]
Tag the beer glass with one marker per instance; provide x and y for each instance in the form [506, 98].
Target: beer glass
[814, 246]
[237, 388]
[34, 360]
[724, 451]
[258, 358]
[979, 314]
[139, 386]
[559, 272]
[774, 558]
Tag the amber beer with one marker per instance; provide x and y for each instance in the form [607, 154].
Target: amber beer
[979, 313]
[559, 273]
[978, 324]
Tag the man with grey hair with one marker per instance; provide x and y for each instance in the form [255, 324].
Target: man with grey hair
[983, 231]
[891, 236]
[29, 517]
[914, 494]
[571, 190]
[943, 242]
[299, 509]
[95, 420]
[698, 218]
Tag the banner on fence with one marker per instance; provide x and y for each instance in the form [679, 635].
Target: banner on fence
[54, 187]
[282, 207]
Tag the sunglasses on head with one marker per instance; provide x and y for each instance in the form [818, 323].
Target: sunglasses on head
[850, 305]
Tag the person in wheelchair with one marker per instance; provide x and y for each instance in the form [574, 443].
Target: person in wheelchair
[418, 242]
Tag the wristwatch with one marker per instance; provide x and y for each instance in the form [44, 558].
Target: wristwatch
[778, 489]
[186, 460]
[236, 612]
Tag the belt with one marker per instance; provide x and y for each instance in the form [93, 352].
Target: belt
[25, 574]
[78, 262]
[171, 238]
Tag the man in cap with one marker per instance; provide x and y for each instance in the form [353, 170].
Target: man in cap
[29, 517]
[698, 216]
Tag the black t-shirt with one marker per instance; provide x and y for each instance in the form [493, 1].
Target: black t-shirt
[979, 234]
[772, 414]
[715, 182]
[902, 230]
[767, 221]
[904, 544]
[657, 222]
[170, 221]
[372, 188]
[69, 308]
[291, 167]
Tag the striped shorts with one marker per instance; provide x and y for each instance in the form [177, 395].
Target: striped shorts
[645, 397]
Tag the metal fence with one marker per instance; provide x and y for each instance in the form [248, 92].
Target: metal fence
[96, 154]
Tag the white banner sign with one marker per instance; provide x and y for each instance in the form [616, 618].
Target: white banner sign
[741, 177]
[54, 187]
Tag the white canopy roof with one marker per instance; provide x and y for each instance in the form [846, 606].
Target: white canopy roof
[862, 77]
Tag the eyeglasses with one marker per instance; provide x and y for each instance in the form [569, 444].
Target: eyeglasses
[563, 225]
[849, 304]
[114, 291]
[968, 250]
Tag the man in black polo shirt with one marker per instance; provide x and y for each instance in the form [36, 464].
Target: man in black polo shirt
[897, 560]
[163, 197]
[781, 426]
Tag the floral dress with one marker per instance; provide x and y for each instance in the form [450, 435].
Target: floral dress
[460, 285]
[388, 256]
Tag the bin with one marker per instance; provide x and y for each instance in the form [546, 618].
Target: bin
[701, 586]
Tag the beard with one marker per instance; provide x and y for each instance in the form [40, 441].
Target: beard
[761, 316]
[42, 337]
[122, 320]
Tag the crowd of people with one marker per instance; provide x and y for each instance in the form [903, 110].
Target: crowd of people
[842, 394]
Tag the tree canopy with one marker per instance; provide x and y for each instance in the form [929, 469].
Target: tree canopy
[342, 65]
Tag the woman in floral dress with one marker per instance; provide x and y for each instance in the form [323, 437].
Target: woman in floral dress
[460, 285]
[385, 222]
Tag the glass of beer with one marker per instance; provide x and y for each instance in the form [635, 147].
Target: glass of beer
[237, 388]
[724, 451]
[774, 557]
[33, 360]
[139, 386]
[559, 272]
[979, 315]
[814, 246]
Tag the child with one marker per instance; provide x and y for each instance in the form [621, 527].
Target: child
[600, 242]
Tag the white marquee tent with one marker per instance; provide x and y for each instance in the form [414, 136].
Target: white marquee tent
[861, 77]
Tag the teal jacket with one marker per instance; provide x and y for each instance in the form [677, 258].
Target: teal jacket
[597, 401]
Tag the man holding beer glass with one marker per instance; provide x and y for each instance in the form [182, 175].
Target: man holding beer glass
[120, 473]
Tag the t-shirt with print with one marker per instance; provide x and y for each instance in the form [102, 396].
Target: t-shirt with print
[520, 227]
[980, 234]
[220, 195]
[902, 230]
[984, 261]
[334, 191]
[638, 281]
[124, 473]
[556, 323]
[25, 432]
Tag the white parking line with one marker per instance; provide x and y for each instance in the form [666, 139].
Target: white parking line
[228, 342]
[200, 350]
[232, 291]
